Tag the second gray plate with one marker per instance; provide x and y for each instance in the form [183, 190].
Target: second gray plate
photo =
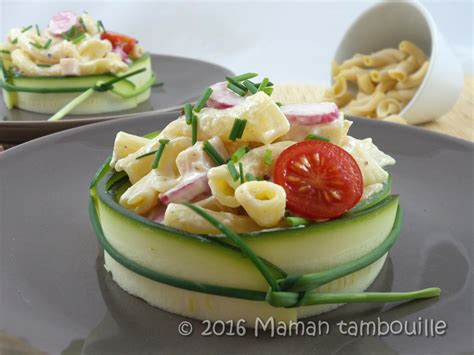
[183, 80]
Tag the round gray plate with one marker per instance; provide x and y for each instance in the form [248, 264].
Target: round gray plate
[183, 81]
[56, 296]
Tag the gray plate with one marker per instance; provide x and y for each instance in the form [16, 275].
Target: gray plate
[55, 294]
[183, 81]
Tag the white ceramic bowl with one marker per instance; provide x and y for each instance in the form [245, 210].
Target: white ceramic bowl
[386, 25]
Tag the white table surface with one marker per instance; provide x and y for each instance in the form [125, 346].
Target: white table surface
[288, 41]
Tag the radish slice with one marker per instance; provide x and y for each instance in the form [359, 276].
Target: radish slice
[189, 189]
[311, 114]
[62, 22]
[157, 213]
[222, 97]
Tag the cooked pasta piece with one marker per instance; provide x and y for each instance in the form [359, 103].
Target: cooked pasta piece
[365, 106]
[388, 106]
[344, 99]
[339, 88]
[355, 61]
[383, 57]
[350, 74]
[415, 79]
[126, 144]
[403, 69]
[223, 186]
[395, 119]
[263, 201]
[404, 95]
[412, 49]
[180, 217]
[141, 197]
[364, 83]
[385, 85]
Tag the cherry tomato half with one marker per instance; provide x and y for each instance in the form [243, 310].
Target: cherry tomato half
[119, 40]
[321, 180]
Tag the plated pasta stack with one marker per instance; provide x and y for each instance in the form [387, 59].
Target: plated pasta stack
[380, 84]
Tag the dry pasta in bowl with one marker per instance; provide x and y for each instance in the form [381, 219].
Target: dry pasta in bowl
[380, 84]
[243, 208]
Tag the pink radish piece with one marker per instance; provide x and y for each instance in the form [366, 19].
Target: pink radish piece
[62, 22]
[196, 185]
[157, 214]
[311, 113]
[222, 97]
[119, 50]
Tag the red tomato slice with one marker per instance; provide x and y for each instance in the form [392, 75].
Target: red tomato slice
[119, 40]
[321, 180]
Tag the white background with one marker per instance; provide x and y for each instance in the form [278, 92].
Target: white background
[288, 41]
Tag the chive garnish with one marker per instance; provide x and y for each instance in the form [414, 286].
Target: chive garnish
[202, 100]
[36, 45]
[268, 90]
[241, 128]
[188, 112]
[194, 127]
[237, 90]
[108, 85]
[43, 65]
[48, 43]
[4, 51]
[241, 172]
[250, 86]
[297, 221]
[245, 76]
[250, 177]
[236, 83]
[278, 103]
[100, 26]
[239, 153]
[316, 137]
[15, 41]
[81, 21]
[38, 31]
[26, 29]
[235, 129]
[153, 152]
[213, 153]
[159, 153]
[263, 84]
[267, 157]
[233, 171]
[79, 38]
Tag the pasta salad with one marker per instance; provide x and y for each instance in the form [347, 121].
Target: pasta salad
[249, 162]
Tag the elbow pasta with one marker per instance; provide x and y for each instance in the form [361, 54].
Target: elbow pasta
[264, 202]
[382, 83]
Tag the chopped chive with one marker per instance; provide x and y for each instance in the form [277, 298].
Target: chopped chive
[38, 31]
[48, 43]
[239, 153]
[236, 83]
[108, 85]
[316, 137]
[202, 100]
[233, 171]
[4, 51]
[278, 103]
[268, 84]
[146, 154]
[15, 41]
[36, 45]
[26, 29]
[158, 84]
[267, 157]
[235, 129]
[297, 221]
[188, 111]
[250, 86]
[79, 38]
[100, 26]
[268, 90]
[245, 76]
[241, 172]
[194, 128]
[236, 89]
[43, 65]
[241, 128]
[159, 153]
[213, 153]
[250, 177]
[263, 84]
